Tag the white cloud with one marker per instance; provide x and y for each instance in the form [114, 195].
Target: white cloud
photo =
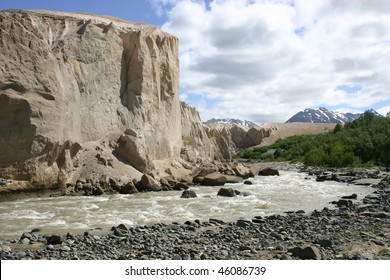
[384, 110]
[265, 60]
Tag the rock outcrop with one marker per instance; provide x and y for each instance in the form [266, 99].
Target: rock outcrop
[88, 96]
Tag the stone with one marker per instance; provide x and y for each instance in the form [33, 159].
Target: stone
[176, 257]
[325, 243]
[120, 231]
[25, 241]
[218, 179]
[180, 186]
[97, 191]
[122, 227]
[344, 202]
[188, 194]
[128, 188]
[352, 196]
[20, 255]
[244, 223]
[6, 249]
[309, 253]
[65, 248]
[216, 221]
[248, 182]
[242, 171]
[244, 248]
[54, 239]
[227, 192]
[269, 172]
[147, 183]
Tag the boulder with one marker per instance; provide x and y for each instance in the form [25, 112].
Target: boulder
[188, 194]
[254, 170]
[352, 196]
[218, 179]
[54, 239]
[308, 253]
[325, 243]
[180, 186]
[242, 171]
[269, 172]
[228, 192]
[98, 190]
[147, 183]
[120, 231]
[244, 223]
[344, 203]
[128, 188]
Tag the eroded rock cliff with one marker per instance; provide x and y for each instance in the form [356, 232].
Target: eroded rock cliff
[89, 96]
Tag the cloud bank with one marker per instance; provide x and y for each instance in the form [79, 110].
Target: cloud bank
[265, 60]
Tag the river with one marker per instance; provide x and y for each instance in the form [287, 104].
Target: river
[268, 195]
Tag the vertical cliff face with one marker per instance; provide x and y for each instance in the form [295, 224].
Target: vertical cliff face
[201, 144]
[71, 84]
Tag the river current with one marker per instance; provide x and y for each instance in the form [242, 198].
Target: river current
[268, 195]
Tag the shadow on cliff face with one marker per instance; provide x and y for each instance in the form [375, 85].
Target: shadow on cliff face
[131, 71]
[16, 131]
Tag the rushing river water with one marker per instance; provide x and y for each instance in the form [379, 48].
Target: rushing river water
[269, 195]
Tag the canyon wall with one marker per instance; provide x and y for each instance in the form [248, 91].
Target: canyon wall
[83, 94]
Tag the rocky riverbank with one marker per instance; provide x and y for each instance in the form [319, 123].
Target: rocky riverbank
[351, 230]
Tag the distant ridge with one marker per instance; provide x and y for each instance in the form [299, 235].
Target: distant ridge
[233, 121]
[323, 115]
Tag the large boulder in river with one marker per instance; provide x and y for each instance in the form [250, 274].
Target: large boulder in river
[269, 172]
[188, 194]
[227, 192]
[219, 179]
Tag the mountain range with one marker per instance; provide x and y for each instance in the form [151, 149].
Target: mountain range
[309, 115]
[323, 115]
[233, 121]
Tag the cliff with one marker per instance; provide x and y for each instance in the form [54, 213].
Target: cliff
[90, 96]
[242, 137]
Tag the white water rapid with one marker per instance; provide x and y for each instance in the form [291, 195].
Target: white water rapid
[268, 195]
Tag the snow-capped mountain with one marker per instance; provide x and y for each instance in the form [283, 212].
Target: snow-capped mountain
[323, 115]
[232, 121]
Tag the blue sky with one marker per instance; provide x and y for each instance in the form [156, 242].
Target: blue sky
[265, 60]
[134, 10]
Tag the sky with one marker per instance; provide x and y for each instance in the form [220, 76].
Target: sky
[265, 60]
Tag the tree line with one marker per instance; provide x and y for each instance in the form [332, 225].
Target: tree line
[363, 142]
